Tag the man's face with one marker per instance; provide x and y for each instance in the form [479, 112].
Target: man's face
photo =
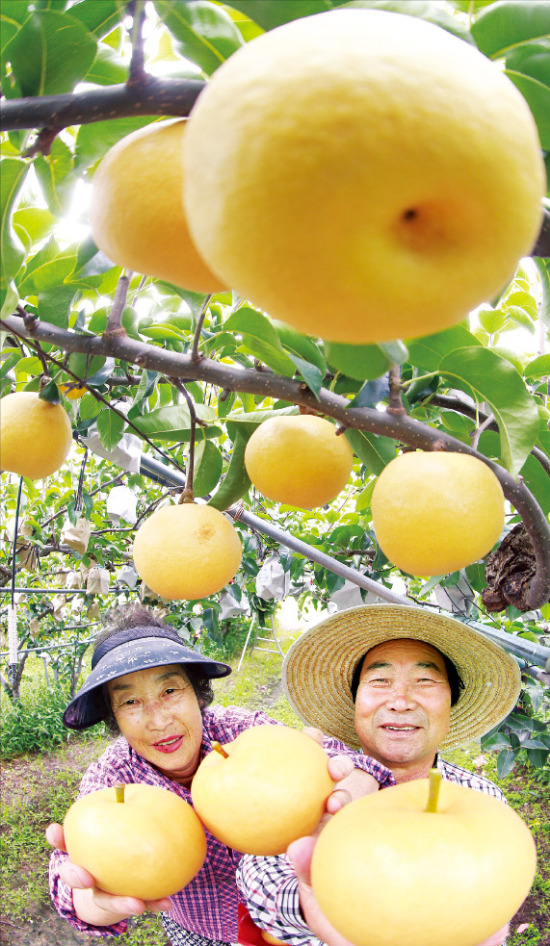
[403, 706]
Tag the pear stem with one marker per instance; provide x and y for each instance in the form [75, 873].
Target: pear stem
[217, 747]
[433, 795]
[119, 792]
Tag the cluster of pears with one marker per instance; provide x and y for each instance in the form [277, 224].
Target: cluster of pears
[423, 863]
[388, 203]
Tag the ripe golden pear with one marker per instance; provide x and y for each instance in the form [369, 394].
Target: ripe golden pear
[136, 213]
[435, 512]
[35, 435]
[298, 459]
[388, 871]
[136, 840]
[187, 551]
[363, 175]
[268, 788]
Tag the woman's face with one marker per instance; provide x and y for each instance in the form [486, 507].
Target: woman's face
[158, 713]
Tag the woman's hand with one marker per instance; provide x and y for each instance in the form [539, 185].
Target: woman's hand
[91, 904]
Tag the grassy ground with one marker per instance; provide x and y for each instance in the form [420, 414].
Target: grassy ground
[39, 788]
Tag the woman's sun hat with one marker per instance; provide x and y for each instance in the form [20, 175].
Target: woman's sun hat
[126, 651]
[318, 669]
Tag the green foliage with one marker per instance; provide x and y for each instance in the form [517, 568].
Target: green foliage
[33, 725]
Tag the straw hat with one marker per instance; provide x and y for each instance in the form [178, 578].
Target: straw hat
[318, 669]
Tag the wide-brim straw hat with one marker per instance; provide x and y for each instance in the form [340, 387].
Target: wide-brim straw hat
[318, 669]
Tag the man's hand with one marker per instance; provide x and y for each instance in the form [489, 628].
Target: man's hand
[91, 904]
[300, 853]
[351, 783]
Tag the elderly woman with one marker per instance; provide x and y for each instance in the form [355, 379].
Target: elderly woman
[155, 693]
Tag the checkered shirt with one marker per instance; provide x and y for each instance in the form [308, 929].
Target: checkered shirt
[270, 888]
[207, 907]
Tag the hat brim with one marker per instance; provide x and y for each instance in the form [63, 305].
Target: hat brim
[318, 669]
[89, 706]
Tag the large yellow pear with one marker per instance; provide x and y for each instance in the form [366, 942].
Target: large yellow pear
[436, 512]
[268, 789]
[136, 213]
[298, 459]
[187, 551]
[35, 435]
[362, 175]
[136, 840]
[387, 872]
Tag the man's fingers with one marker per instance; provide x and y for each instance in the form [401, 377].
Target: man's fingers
[300, 853]
[314, 734]
[337, 800]
[339, 767]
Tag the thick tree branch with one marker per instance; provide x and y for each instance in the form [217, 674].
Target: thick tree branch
[150, 96]
[400, 427]
[488, 423]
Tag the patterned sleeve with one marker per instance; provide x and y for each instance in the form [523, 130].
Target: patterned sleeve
[383, 776]
[100, 774]
[270, 890]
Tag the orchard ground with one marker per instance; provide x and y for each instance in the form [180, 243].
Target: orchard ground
[38, 788]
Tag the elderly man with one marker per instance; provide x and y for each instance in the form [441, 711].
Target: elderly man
[402, 684]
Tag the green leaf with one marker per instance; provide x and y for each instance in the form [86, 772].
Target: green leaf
[502, 26]
[50, 393]
[537, 757]
[538, 368]
[54, 305]
[488, 377]
[98, 18]
[208, 468]
[271, 13]
[532, 59]
[37, 221]
[47, 269]
[506, 761]
[427, 352]
[110, 427]
[260, 339]
[202, 32]
[309, 374]
[364, 362]
[297, 344]
[12, 253]
[96, 138]
[107, 68]
[537, 96]
[9, 362]
[50, 53]
[374, 451]
[89, 407]
[173, 424]
[543, 267]
[424, 9]
[364, 498]
[55, 177]
[13, 14]
[492, 320]
[236, 481]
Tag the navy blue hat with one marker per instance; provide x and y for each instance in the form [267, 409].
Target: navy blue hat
[126, 651]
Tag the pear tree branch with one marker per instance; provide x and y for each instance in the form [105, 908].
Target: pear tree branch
[400, 427]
